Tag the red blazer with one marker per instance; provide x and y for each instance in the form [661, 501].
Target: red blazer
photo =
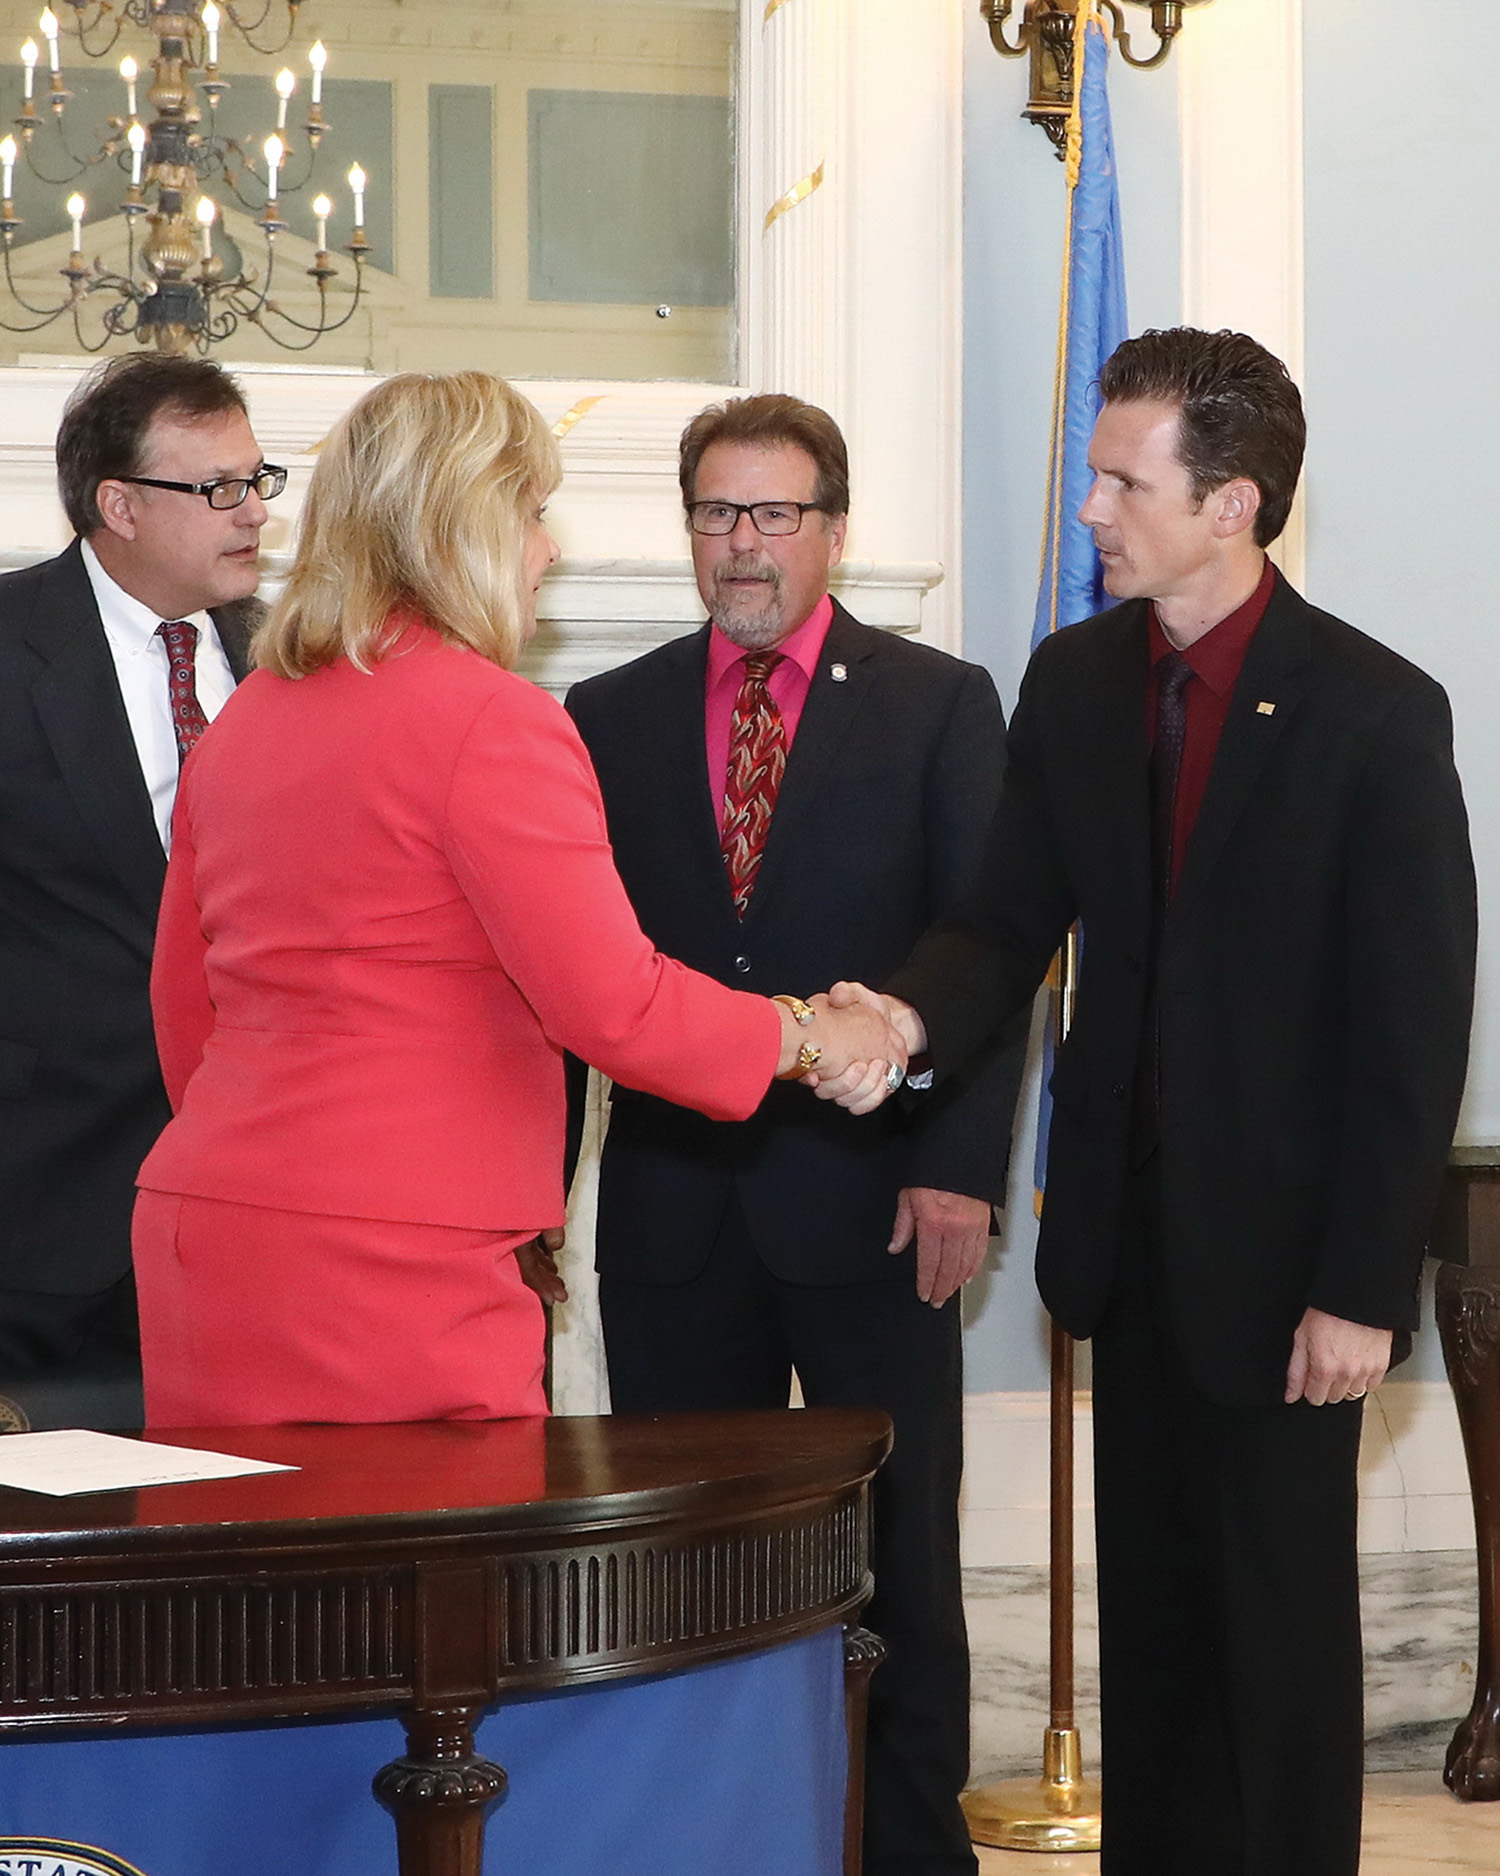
[391, 906]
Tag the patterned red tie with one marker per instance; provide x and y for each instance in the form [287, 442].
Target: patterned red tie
[188, 720]
[757, 761]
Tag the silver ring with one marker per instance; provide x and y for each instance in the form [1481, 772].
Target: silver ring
[894, 1076]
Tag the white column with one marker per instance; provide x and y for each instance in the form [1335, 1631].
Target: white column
[852, 258]
[795, 193]
[1240, 73]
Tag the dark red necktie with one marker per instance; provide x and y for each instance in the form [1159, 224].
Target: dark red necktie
[188, 720]
[1172, 674]
[757, 762]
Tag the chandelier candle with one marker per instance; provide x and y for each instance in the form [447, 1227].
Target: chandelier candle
[160, 292]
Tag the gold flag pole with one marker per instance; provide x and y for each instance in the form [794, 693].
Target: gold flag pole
[1060, 1811]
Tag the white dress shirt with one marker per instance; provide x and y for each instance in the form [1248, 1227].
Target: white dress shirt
[142, 668]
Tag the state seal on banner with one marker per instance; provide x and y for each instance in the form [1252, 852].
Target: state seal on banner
[52, 1856]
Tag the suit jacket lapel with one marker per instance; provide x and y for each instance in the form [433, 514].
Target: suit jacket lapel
[235, 624]
[675, 756]
[78, 702]
[1274, 673]
[829, 716]
[1106, 760]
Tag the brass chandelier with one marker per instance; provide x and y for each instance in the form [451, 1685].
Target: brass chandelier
[1045, 36]
[173, 288]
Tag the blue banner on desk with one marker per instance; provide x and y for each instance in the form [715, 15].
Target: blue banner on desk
[738, 1768]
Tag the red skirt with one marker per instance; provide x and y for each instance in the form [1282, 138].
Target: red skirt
[251, 1316]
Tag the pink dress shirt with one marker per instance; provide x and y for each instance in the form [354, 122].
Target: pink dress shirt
[788, 684]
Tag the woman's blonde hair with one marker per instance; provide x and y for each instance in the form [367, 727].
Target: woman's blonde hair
[420, 500]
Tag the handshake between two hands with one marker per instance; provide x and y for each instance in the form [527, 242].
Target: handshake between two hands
[865, 1041]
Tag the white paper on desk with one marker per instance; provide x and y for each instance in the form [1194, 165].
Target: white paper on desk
[72, 1460]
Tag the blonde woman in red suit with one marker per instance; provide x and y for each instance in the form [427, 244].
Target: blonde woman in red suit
[390, 908]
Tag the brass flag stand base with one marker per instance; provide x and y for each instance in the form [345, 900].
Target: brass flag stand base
[1058, 1811]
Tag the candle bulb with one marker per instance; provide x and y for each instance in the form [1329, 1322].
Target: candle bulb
[322, 208]
[206, 213]
[76, 206]
[129, 71]
[48, 23]
[211, 27]
[29, 57]
[357, 180]
[275, 149]
[286, 84]
[317, 58]
[136, 138]
[7, 166]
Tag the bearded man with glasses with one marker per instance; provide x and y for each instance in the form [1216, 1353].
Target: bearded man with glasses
[113, 659]
[788, 791]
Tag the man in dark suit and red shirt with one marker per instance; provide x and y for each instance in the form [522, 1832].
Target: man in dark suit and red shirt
[113, 657]
[1253, 810]
[790, 791]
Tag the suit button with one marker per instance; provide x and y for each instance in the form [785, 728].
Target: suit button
[742, 964]
[1118, 1091]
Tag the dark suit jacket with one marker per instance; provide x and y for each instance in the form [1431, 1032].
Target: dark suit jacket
[1315, 974]
[81, 869]
[878, 828]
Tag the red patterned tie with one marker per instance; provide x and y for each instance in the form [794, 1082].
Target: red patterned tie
[757, 761]
[188, 720]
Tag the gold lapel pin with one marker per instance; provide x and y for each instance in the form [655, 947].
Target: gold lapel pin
[838, 672]
[1265, 709]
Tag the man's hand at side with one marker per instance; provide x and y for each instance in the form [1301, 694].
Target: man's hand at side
[1335, 1360]
[537, 1262]
[952, 1232]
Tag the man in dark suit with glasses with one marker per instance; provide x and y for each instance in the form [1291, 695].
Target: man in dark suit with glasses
[790, 791]
[113, 658]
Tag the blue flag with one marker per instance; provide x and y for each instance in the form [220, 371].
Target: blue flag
[1092, 324]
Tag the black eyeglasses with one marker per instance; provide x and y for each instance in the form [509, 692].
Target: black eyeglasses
[227, 492]
[769, 517]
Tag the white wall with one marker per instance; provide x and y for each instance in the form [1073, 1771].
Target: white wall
[1403, 281]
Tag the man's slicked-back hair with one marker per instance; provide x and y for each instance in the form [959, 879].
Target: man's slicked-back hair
[104, 426]
[1241, 413]
[767, 422]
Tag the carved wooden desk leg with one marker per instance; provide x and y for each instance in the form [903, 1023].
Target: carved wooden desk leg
[863, 1653]
[439, 1793]
[1468, 1313]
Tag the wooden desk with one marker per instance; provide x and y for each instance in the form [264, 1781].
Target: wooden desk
[1466, 1236]
[430, 1569]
